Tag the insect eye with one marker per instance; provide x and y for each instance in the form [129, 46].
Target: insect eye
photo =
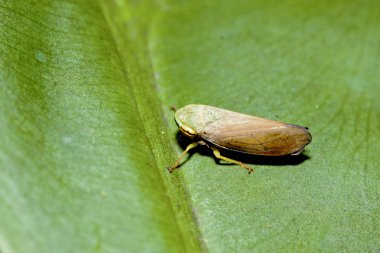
[188, 131]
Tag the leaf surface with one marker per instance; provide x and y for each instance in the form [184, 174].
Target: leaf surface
[86, 129]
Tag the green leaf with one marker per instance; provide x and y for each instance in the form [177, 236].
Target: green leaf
[87, 133]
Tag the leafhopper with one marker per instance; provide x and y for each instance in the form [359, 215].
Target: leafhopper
[221, 129]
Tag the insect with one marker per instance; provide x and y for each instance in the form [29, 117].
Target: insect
[220, 129]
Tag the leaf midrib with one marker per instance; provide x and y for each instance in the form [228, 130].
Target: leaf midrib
[174, 184]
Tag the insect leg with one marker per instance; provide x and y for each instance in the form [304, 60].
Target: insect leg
[176, 164]
[219, 156]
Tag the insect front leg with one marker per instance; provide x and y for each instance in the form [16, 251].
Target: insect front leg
[176, 164]
[219, 156]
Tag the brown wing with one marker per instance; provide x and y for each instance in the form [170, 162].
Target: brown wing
[254, 135]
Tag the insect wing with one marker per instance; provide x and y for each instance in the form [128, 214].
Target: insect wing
[254, 135]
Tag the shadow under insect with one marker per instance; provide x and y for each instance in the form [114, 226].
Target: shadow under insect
[239, 156]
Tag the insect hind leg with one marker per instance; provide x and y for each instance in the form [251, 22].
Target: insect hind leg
[219, 156]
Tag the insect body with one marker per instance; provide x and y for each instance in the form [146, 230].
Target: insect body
[221, 129]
